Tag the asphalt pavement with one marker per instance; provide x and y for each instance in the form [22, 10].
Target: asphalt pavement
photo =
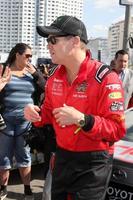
[15, 187]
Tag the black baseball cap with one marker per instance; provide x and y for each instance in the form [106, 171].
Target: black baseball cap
[65, 25]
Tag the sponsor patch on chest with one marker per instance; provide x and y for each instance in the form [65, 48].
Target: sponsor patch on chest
[57, 88]
[81, 90]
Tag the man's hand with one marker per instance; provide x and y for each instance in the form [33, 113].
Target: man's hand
[67, 115]
[31, 113]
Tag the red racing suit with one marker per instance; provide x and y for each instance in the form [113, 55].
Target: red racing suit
[96, 91]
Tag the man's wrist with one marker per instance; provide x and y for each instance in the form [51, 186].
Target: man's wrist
[81, 121]
[89, 123]
[86, 122]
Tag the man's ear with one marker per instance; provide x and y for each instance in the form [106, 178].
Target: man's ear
[76, 40]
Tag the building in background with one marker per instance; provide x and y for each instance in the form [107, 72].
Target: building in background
[99, 49]
[3, 57]
[18, 20]
[17, 23]
[115, 37]
[48, 11]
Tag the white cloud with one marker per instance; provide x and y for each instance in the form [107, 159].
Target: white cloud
[118, 19]
[98, 30]
[105, 3]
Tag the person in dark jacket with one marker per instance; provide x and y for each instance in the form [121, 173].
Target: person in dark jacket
[25, 86]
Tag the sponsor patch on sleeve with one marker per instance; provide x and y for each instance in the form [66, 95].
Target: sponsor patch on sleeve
[117, 106]
[115, 95]
[102, 71]
[114, 86]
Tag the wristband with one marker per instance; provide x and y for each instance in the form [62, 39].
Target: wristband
[87, 125]
[89, 122]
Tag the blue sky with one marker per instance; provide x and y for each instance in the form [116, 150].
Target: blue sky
[98, 15]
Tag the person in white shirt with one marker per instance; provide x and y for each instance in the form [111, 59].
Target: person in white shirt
[124, 73]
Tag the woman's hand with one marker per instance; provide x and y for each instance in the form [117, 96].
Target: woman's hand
[5, 78]
[30, 68]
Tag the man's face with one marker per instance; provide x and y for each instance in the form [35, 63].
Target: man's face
[59, 48]
[121, 62]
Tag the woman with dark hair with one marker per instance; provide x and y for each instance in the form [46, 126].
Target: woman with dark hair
[25, 86]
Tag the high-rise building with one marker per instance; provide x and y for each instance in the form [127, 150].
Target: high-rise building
[18, 20]
[99, 48]
[115, 37]
[48, 11]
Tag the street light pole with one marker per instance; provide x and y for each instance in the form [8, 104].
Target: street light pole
[126, 27]
[99, 55]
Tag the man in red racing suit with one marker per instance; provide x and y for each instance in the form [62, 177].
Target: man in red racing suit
[103, 101]
[92, 93]
[86, 110]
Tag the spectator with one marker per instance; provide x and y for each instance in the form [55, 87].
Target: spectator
[112, 64]
[25, 86]
[125, 74]
[82, 102]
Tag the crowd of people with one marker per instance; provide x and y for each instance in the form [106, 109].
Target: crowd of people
[80, 100]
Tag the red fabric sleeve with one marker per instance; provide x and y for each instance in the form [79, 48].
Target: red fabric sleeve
[110, 122]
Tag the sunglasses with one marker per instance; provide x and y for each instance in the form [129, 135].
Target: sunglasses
[28, 55]
[54, 39]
